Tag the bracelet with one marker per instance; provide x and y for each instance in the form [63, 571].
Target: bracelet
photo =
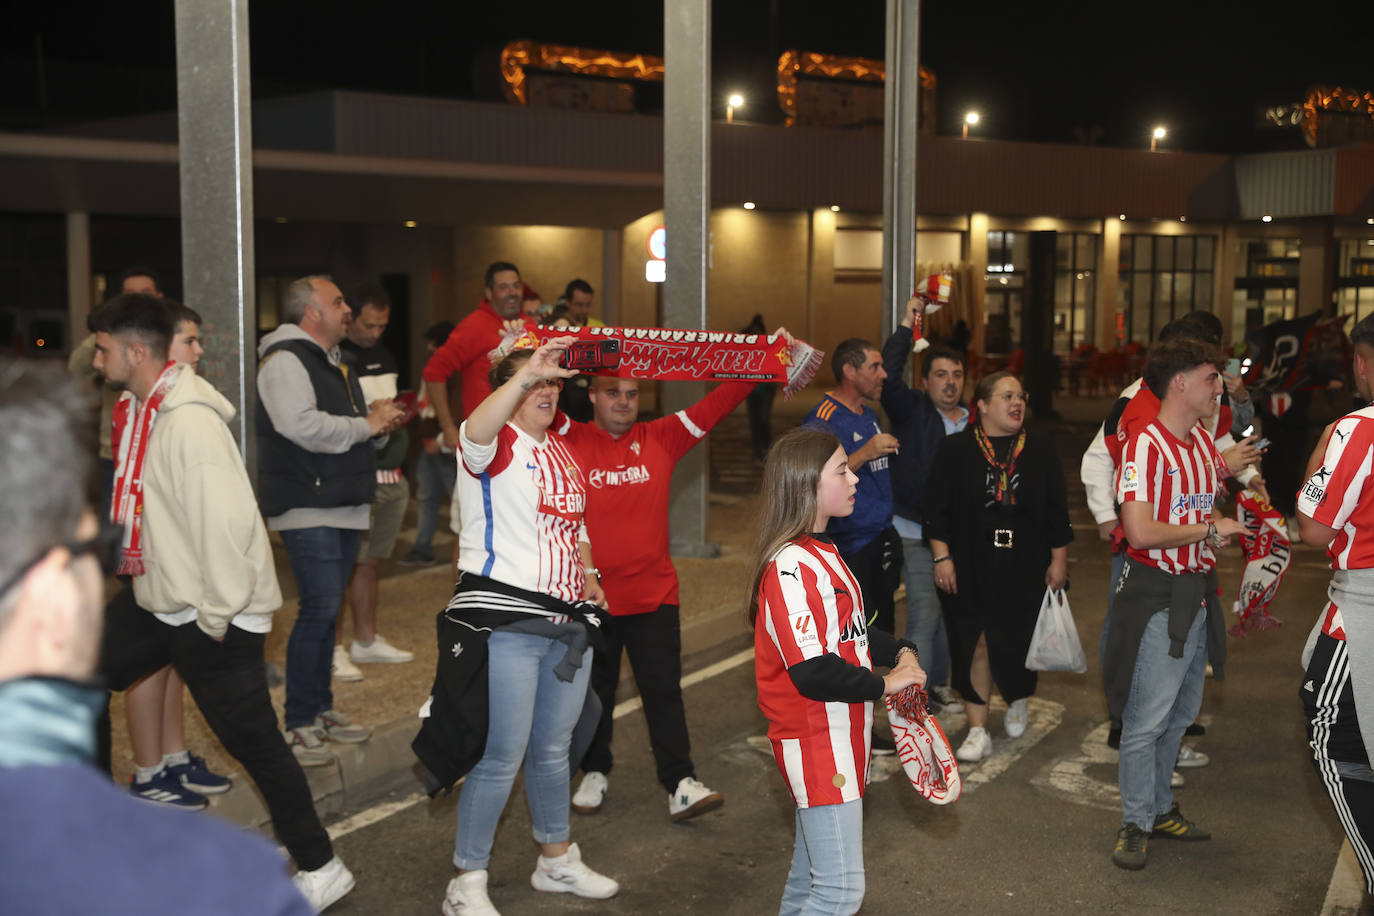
[1213, 537]
[939, 559]
[591, 571]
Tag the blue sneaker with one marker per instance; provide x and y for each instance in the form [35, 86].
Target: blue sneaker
[198, 777]
[166, 790]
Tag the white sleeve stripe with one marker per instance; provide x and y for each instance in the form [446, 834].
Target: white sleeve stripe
[1351, 497]
[796, 770]
[691, 427]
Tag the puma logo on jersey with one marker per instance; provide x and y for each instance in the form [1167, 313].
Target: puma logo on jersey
[789, 572]
[1340, 435]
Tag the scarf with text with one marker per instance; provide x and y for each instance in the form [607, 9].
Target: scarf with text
[674, 354]
[1268, 552]
[922, 747]
[1002, 493]
[133, 425]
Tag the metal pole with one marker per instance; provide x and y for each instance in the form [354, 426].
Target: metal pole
[78, 276]
[686, 217]
[901, 96]
[216, 150]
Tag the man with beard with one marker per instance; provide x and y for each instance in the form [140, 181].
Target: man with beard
[920, 419]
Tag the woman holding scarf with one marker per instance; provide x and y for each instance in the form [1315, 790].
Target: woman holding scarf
[997, 520]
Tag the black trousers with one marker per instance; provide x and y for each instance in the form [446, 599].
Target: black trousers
[654, 644]
[878, 567]
[228, 681]
[1338, 751]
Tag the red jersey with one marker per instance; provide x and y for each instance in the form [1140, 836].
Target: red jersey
[465, 352]
[1179, 479]
[628, 481]
[523, 503]
[810, 605]
[1337, 495]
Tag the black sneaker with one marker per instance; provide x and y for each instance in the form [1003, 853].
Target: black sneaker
[1177, 827]
[1114, 737]
[415, 558]
[1194, 730]
[1132, 844]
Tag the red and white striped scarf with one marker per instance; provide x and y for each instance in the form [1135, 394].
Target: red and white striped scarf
[133, 425]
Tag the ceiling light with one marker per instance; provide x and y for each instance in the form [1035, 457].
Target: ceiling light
[410, 224]
[1266, 218]
[749, 205]
[834, 208]
[1121, 216]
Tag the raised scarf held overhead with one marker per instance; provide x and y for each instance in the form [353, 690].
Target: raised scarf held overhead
[133, 425]
[1003, 493]
[672, 354]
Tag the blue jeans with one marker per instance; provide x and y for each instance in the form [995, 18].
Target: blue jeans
[434, 478]
[531, 718]
[827, 876]
[1118, 563]
[925, 624]
[321, 561]
[1166, 694]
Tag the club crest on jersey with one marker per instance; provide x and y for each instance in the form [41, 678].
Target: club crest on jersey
[634, 447]
[1191, 502]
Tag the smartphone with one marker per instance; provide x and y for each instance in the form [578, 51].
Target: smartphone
[1233, 367]
[591, 355]
[1263, 444]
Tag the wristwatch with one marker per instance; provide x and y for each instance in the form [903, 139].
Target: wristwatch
[1214, 537]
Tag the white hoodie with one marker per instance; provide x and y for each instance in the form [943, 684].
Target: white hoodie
[205, 545]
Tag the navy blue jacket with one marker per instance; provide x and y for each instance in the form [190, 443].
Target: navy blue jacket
[916, 423]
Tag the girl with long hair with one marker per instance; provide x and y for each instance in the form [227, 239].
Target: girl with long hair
[814, 658]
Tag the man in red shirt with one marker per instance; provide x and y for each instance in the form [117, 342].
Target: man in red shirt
[1166, 619]
[467, 347]
[629, 470]
[1336, 511]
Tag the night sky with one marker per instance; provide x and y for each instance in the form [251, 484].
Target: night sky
[1035, 71]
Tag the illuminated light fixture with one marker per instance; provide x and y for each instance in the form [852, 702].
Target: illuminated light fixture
[749, 205]
[655, 271]
[1158, 134]
[1266, 218]
[279, 219]
[1370, 221]
[410, 224]
[970, 119]
[40, 342]
[735, 101]
[1121, 216]
[1183, 219]
[834, 208]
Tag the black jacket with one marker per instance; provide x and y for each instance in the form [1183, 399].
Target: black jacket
[915, 422]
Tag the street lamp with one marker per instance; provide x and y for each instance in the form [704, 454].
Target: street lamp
[969, 119]
[735, 101]
[1156, 136]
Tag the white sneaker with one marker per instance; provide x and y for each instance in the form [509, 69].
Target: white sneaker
[306, 744]
[342, 666]
[378, 652]
[1176, 780]
[333, 725]
[691, 798]
[976, 746]
[591, 792]
[567, 875]
[325, 885]
[1189, 757]
[1015, 721]
[467, 895]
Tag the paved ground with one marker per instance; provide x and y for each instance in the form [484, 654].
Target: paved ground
[1032, 834]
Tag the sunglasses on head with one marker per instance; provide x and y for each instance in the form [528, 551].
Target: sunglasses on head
[104, 546]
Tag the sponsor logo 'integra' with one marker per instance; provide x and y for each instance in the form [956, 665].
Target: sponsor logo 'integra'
[1191, 502]
[600, 477]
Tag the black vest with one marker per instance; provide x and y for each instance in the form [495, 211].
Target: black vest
[289, 477]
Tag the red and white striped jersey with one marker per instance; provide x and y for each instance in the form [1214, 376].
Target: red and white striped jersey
[810, 605]
[1338, 496]
[523, 502]
[1180, 480]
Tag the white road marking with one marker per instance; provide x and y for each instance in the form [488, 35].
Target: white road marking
[381, 812]
[1346, 891]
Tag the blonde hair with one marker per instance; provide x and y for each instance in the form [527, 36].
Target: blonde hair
[790, 479]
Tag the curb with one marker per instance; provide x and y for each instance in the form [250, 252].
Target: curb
[360, 774]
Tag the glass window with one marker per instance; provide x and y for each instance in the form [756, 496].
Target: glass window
[1085, 251]
[1183, 253]
[1124, 252]
[1164, 252]
[1202, 291]
[1140, 306]
[1183, 293]
[1063, 251]
[1204, 253]
[1143, 244]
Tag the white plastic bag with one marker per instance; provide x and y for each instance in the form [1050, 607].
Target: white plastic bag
[1054, 644]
